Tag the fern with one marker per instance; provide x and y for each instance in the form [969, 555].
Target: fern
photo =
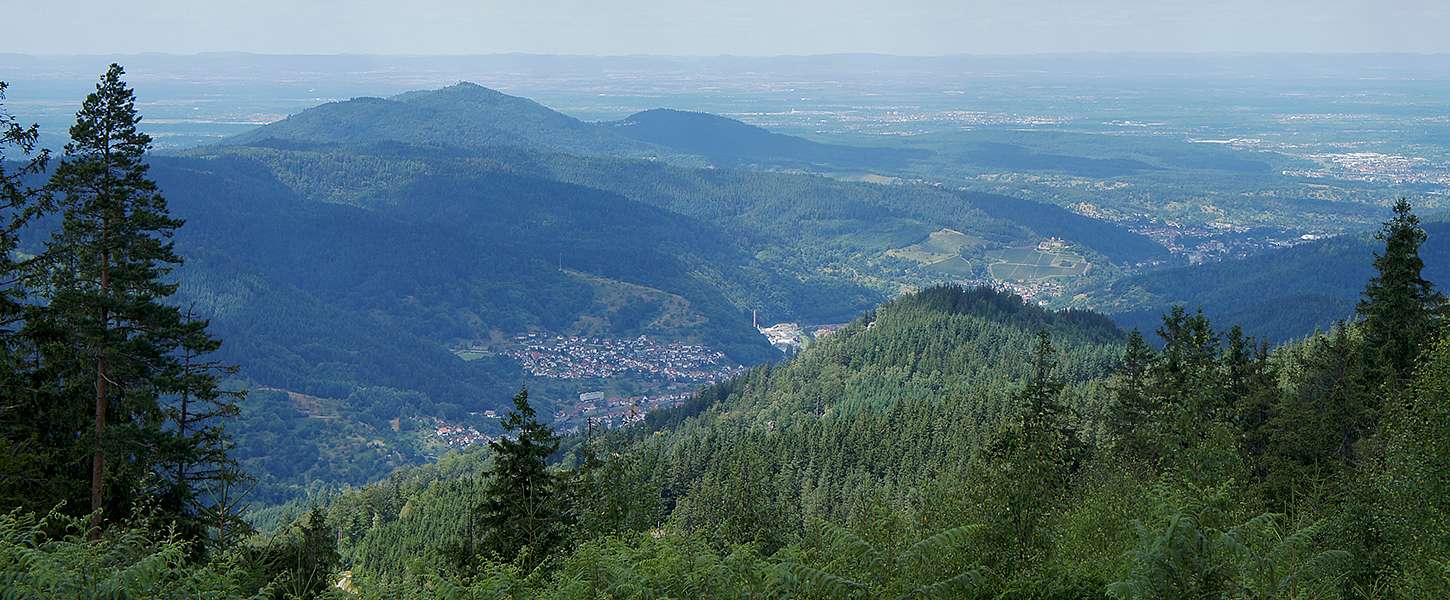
[924, 569]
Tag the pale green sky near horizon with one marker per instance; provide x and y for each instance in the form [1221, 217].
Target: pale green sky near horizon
[745, 27]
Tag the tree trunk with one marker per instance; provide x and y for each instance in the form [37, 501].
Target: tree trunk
[98, 459]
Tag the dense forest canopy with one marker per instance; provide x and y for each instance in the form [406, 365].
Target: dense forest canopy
[951, 442]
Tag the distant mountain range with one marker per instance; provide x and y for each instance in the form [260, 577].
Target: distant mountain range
[728, 142]
[465, 115]
[353, 246]
[471, 116]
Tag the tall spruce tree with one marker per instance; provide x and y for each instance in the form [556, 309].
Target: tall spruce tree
[108, 334]
[522, 506]
[1254, 410]
[1400, 308]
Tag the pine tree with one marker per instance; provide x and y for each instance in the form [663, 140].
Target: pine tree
[107, 333]
[521, 506]
[1045, 412]
[1134, 409]
[1191, 360]
[307, 558]
[1238, 366]
[1400, 308]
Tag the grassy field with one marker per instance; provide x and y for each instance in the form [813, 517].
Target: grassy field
[939, 246]
[1027, 263]
[955, 266]
[662, 313]
[470, 355]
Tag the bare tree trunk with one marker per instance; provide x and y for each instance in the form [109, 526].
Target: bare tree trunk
[98, 459]
[184, 419]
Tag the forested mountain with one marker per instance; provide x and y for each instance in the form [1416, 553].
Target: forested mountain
[450, 262]
[465, 115]
[332, 300]
[1278, 295]
[728, 142]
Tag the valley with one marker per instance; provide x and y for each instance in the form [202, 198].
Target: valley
[1120, 326]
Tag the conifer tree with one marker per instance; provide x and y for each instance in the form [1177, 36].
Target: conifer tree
[1044, 412]
[521, 506]
[108, 333]
[16, 207]
[1188, 374]
[306, 559]
[1254, 411]
[33, 440]
[1400, 308]
[1134, 407]
[1035, 459]
[200, 457]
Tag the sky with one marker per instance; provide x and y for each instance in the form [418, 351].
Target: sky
[740, 27]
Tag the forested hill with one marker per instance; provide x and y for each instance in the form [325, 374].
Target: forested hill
[865, 416]
[464, 115]
[1111, 240]
[353, 308]
[945, 341]
[1279, 295]
[729, 142]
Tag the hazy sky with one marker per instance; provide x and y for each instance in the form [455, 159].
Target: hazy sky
[748, 27]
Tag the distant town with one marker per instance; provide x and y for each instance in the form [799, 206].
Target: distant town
[575, 357]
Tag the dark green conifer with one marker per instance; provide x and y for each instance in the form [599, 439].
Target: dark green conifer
[522, 505]
[1033, 461]
[1400, 308]
[1134, 409]
[34, 445]
[107, 334]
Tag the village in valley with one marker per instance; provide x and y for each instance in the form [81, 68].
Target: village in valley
[576, 357]
[609, 382]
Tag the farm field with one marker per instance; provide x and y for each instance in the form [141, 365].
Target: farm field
[1025, 264]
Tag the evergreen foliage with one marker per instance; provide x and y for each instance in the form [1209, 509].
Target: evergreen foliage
[522, 508]
[1400, 308]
